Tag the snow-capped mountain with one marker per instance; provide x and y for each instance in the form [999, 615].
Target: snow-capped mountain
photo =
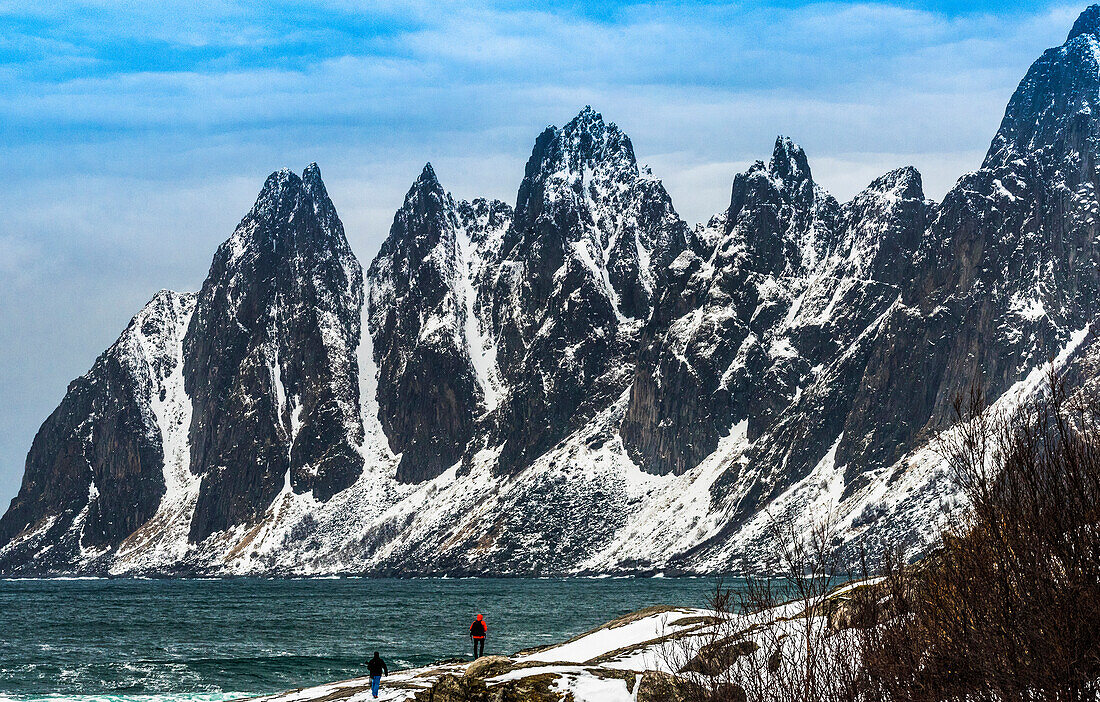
[435, 355]
[584, 384]
[579, 268]
[269, 358]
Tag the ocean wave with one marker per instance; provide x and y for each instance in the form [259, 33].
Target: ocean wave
[167, 697]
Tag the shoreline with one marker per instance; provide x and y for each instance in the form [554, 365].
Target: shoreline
[640, 574]
[614, 662]
[648, 655]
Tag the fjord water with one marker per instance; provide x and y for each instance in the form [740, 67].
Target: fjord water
[209, 640]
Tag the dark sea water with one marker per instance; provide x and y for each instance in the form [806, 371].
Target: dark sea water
[209, 640]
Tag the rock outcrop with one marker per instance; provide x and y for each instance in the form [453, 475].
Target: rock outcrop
[269, 358]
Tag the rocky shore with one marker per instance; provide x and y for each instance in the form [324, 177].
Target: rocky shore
[629, 659]
[620, 660]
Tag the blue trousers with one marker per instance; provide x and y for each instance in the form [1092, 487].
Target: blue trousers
[375, 682]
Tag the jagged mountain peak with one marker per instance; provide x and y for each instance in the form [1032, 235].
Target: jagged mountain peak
[883, 225]
[279, 191]
[1088, 22]
[312, 183]
[591, 123]
[275, 329]
[323, 208]
[784, 182]
[789, 162]
[1054, 114]
[312, 173]
[167, 296]
[426, 185]
[595, 141]
[274, 223]
[425, 216]
[586, 141]
[586, 160]
[905, 181]
[427, 175]
[284, 186]
[284, 193]
[588, 115]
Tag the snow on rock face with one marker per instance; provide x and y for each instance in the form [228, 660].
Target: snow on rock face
[482, 225]
[270, 358]
[94, 473]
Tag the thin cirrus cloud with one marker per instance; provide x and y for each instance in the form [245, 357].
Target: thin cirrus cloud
[136, 134]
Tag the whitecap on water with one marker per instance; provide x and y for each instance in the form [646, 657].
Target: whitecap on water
[168, 697]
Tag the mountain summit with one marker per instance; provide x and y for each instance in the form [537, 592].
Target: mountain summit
[1088, 22]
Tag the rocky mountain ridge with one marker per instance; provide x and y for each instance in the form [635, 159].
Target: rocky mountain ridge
[582, 383]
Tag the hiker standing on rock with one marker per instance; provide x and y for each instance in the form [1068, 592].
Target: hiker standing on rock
[377, 668]
[477, 632]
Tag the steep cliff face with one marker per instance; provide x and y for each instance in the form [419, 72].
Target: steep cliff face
[270, 358]
[820, 349]
[713, 334]
[437, 371]
[93, 475]
[583, 384]
[1009, 269]
[580, 264]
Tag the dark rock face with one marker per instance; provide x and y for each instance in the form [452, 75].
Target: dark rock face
[580, 266]
[984, 287]
[270, 358]
[1008, 270]
[426, 334]
[94, 472]
[707, 347]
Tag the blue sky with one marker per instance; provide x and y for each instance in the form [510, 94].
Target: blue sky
[135, 135]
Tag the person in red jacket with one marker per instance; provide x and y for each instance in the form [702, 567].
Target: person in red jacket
[477, 632]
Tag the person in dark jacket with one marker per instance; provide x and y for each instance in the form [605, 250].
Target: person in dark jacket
[477, 632]
[377, 668]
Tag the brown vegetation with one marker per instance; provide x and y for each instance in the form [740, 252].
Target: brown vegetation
[1006, 608]
[1009, 607]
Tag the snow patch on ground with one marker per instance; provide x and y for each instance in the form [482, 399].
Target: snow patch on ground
[605, 682]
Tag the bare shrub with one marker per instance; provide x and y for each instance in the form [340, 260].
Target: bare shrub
[758, 649]
[701, 663]
[1008, 608]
